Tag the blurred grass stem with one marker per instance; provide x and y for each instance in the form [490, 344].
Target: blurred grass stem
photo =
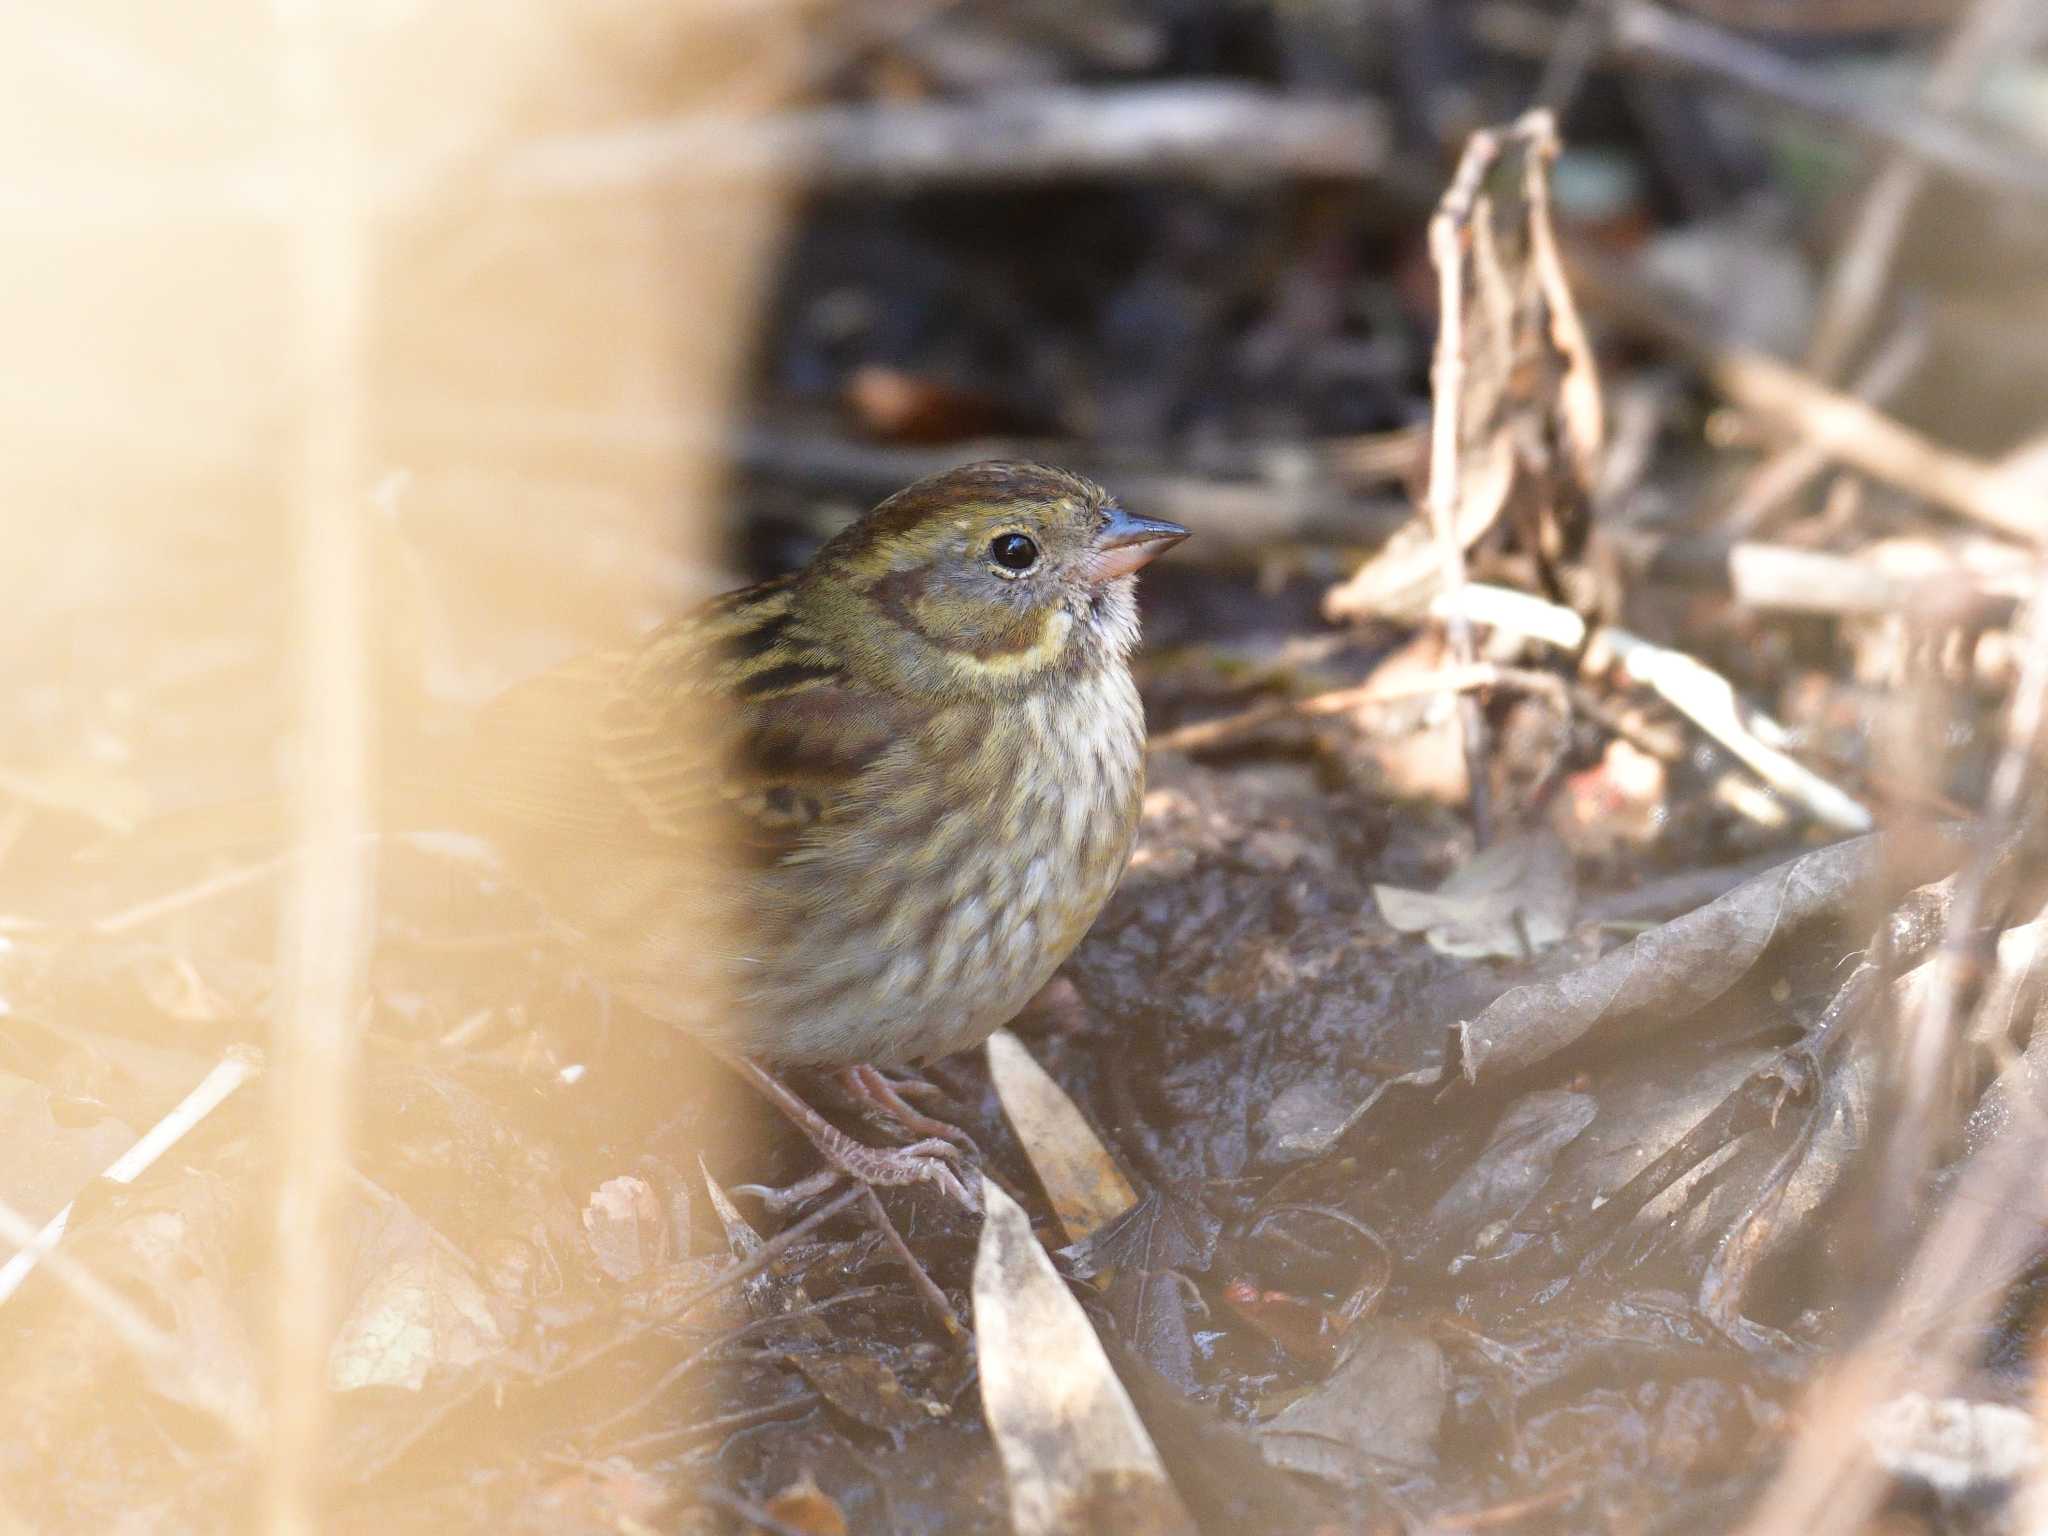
[324, 931]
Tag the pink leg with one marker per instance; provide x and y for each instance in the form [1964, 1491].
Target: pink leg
[931, 1161]
[869, 1086]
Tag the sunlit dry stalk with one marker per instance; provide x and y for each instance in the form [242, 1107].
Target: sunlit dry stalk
[324, 929]
[1448, 230]
[1981, 1239]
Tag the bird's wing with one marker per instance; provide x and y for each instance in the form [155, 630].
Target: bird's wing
[728, 724]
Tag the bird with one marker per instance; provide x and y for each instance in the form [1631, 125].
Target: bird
[857, 815]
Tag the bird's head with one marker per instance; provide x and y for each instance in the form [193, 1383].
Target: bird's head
[992, 578]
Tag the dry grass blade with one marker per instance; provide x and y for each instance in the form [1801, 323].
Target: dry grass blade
[1074, 1450]
[208, 1095]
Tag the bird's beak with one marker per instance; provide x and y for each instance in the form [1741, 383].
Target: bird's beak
[1128, 542]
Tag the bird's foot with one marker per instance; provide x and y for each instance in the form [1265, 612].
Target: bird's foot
[933, 1161]
[778, 1198]
[886, 1096]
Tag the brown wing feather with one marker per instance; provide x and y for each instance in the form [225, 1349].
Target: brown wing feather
[729, 723]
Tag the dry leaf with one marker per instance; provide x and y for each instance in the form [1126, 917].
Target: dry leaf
[1076, 1454]
[1383, 1405]
[867, 1391]
[1081, 1179]
[420, 1309]
[626, 1226]
[1691, 960]
[1515, 1163]
[1511, 900]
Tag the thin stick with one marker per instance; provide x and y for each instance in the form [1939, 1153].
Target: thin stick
[1201, 129]
[1448, 228]
[226, 883]
[1789, 470]
[927, 1289]
[325, 925]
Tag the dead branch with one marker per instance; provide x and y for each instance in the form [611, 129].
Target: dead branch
[1847, 430]
[1857, 279]
[1939, 139]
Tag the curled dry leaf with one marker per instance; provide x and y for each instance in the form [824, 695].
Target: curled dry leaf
[1075, 1453]
[1691, 960]
[1081, 1179]
[1510, 900]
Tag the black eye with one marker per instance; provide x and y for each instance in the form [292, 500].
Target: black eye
[1013, 552]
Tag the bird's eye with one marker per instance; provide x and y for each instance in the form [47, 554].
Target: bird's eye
[1013, 552]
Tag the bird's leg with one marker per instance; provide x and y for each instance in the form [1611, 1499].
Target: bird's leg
[869, 1086]
[931, 1161]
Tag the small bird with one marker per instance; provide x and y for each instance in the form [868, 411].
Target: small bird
[870, 806]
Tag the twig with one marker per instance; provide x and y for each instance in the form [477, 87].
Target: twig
[1814, 581]
[324, 930]
[1938, 138]
[1215, 132]
[228, 1074]
[1687, 685]
[1846, 430]
[1857, 279]
[1206, 735]
[226, 883]
[927, 1289]
[1788, 471]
